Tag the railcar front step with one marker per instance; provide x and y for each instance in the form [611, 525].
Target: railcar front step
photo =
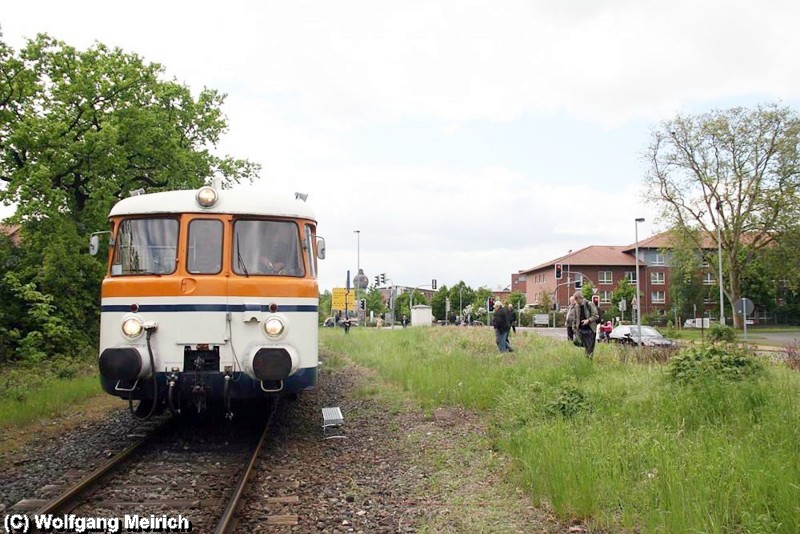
[332, 418]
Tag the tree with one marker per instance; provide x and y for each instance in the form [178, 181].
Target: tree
[461, 295]
[78, 131]
[439, 303]
[733, 171]
[324, 308]
[687, 292]
[624, 291]
[517, 299]
[375, 301]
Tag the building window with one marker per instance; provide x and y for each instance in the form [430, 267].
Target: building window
[659, 259]
[658, 297]
[578, 281]
[605, 277]
[657, 279]
[709, 280]
[605, 296]
[631, 276]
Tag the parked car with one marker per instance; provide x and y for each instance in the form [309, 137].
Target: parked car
[630, 334]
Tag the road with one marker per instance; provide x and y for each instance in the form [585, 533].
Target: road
[774, 339]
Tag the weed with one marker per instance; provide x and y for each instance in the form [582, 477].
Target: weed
[569, 401]
[792, 351]
[725, 362]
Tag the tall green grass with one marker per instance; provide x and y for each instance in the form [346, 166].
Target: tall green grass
[50, 398]
[616, 444]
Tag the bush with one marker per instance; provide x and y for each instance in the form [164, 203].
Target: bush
[720, 332]
[714, 362]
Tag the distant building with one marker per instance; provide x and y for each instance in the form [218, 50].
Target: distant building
[605, 266]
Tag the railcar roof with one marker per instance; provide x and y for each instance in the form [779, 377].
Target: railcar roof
[230, 201]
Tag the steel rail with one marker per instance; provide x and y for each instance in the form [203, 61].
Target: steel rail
[74, 491]
[226, 523]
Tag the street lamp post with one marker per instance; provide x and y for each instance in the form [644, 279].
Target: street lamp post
[719, 257]
[358, 249]
[638, 295]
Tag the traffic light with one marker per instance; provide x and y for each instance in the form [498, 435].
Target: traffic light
[377, 280]
[433, 283]
[362, 304]
[383, 278]
[558, 271]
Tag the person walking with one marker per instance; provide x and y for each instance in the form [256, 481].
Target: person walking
[512, 317]
[570, 318]
[501, 327]
[584, 322]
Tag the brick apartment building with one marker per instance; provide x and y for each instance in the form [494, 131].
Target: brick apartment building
[605, 266]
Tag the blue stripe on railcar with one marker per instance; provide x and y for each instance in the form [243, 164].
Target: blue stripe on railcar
[208, 308]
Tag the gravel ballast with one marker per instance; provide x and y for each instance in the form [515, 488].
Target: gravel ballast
[398, 469]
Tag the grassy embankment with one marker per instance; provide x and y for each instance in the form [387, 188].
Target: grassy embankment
[617, 444]
[32, 392]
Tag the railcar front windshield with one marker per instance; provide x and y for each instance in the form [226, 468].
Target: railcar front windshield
[145, 246]
[263, 247]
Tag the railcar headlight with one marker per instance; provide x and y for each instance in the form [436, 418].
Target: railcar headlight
[207, 196]
[273, 327]
[132, 327]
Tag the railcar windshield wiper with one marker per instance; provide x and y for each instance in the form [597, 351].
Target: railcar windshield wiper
[239, 260]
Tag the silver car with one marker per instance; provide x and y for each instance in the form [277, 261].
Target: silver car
[649, 335]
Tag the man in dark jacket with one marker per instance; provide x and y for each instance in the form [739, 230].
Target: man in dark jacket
[512, 317]
[584, 322]
[501, 327]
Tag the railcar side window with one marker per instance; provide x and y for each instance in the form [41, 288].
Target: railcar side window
[267, 248]
[145, 246]
[205, 247]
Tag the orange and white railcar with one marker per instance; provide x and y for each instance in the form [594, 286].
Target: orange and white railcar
[210, 295]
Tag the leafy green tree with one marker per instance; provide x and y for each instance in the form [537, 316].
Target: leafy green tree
[517, 299]
[439, 303]
[78, 131]
[624, 291]
[546, 303]
[375, 302]
[734, 171]
[81, 129]
[587, 289]
[687, 292]
[461, 295]
[481, 295]
[325, 300]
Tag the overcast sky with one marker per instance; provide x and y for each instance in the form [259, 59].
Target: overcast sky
[466, 140]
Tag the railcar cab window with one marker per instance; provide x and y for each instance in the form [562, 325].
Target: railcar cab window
[145, 246]
[204, 252]
[267, 248]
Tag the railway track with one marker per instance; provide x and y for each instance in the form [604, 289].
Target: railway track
[175, 477]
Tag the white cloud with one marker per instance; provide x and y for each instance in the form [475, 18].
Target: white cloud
[314, 87]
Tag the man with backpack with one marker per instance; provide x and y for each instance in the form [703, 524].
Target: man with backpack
[584, 322]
